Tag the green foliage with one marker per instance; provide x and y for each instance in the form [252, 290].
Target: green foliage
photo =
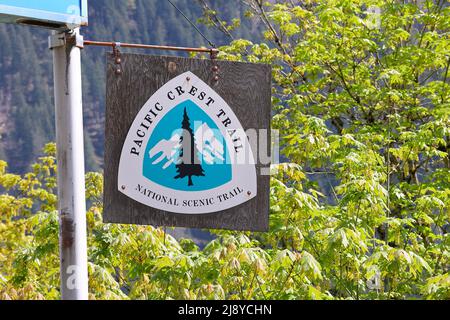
[361, 91]
[360, 211]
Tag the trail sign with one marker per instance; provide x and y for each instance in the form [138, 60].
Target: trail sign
[178, 151]
[53, 14]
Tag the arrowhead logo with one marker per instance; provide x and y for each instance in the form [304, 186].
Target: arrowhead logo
[186, 152]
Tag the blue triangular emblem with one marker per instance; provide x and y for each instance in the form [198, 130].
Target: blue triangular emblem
[187, 151]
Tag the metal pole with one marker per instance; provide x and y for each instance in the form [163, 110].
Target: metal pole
[70, 159]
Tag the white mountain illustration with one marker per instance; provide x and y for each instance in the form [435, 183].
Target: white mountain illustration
[168, 150]
[207, 144]
[211, 149]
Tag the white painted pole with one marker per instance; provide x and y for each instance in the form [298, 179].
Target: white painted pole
[70, 157]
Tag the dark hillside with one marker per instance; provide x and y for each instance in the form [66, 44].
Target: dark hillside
[26, 88]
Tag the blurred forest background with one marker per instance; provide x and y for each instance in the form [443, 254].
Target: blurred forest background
[26, 76]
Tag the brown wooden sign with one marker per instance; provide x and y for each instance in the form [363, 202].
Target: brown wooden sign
[187, 143]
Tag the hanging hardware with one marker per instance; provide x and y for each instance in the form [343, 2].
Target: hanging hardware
[215, 68]
[117, 58]
[213, 52]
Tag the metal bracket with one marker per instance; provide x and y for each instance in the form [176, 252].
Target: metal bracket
[117, 58]
[215, 68]
[61, 39]
[213, 54]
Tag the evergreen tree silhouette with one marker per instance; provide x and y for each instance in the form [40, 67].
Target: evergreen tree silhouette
[188, 167]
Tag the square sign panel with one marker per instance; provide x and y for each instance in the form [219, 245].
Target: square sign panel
[52, 14]
[183, 143]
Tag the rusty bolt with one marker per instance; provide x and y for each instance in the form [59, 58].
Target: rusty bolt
[118, 71]
[215, 68]
[216, 78]
[118, 60]
[188, 79]
[249, 193]
[123, 187]
[172, 66]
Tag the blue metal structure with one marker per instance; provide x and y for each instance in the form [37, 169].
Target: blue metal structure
[53, 14]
